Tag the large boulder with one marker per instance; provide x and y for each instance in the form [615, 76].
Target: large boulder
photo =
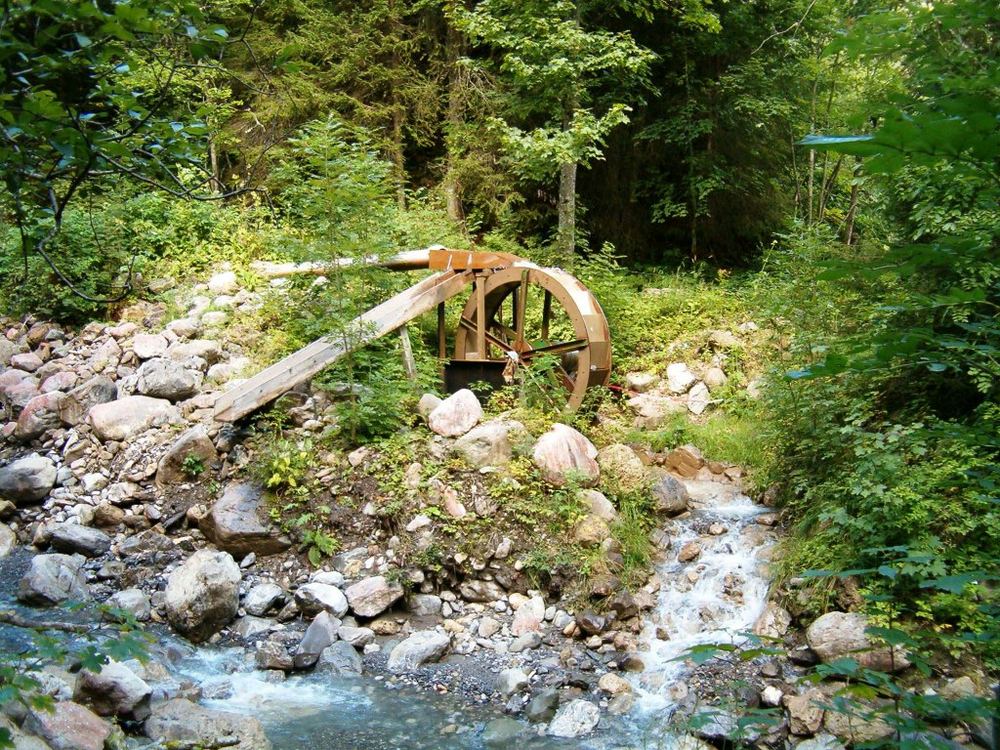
[370, 597]
[166, 378]
[234, 523]
[78, 402]
[670, 496]
[842, 634]
[27, 479]
[68, 726]
[192, 443]
[575, 719]
[114, 691]
[53, 579]
[74, 538]
[130, 416]
[489, 444]
[622, 467]
[456, 415]
[202, 595]
[185, 724]
[563, 453]
[420, 648]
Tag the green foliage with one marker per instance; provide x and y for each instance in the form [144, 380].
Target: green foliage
[284, 464]
[193, 465]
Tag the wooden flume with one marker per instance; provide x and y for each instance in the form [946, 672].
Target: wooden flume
[498, 326]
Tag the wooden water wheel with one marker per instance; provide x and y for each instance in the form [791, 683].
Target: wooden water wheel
[530, 312]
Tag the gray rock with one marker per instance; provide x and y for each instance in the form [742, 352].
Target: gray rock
[27, 479]
[842, 634]
[205, 349]
[489, 444]
[421, 647]
[773, 622]
[202, 595]
[149, 345]
[423, 605]
[670, 495]
[680, 378]
[651, 410]
[190, 725]
[192, 443]
[316, 597]
[340, 658]
[370, 597]
[501, 732]
[114, 691]
[525, 642]
[8, 540]
[456, 415]
[74, 538]
[622, 468]
[511, 681]
[127, 417]
[575, 719]
[53, 579]
[166, 378]
[698, 399]
[357, 637]
[133, 601]
[78, 402]
[234, 523]
[68, 726]
[598, 504]
[481, 591]
[821, 742]
[320, 634]
[542, 706]
[262, 597]
[248, 626]
[273, 655]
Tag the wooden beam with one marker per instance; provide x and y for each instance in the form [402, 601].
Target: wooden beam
[481, 317]
[442, 333]
[303, 364]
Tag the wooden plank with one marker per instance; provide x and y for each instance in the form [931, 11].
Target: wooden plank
[481, 317]
[303, 364]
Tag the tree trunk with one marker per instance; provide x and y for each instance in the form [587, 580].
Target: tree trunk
[853, 210]
[452, 185]
[566, 237]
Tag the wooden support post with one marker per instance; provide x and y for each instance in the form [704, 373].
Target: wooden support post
[442, 334]
[409, 365]
[481, 317]
[546, 314]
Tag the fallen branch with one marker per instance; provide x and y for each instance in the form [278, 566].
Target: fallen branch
[9, 617]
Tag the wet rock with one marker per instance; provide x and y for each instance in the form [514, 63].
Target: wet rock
[690, 551]
[234, 523]
[127, 417]
[68, 726]
[202, 595]
[563, 452]
[501, 732]
[623, 604]
[805, 712]
[262, 598]
[133, 601]
[27, 479]
[340, 658]
[316, 597]
[670, 496]
[322, 632]
[614, 684]
[114, 691]
[489, 444]
[622, 467]
[78, 402]
[421, 647]
[511, 681]
[187, 724]
[53, 579]
[8, 540]
[456, 415]
[591, 623]
[542, 707]
[194, 443]
[273, 655]
[577, 718]
[838, 634]
[74, 538]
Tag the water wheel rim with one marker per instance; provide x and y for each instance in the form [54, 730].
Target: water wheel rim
[592, 339]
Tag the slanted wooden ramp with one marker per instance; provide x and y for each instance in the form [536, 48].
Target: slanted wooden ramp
[296, 368]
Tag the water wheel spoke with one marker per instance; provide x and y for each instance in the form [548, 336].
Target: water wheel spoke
[521, 302]
[491, 338]
[563, 347]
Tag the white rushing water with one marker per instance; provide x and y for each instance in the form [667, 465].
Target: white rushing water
[712, 599]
